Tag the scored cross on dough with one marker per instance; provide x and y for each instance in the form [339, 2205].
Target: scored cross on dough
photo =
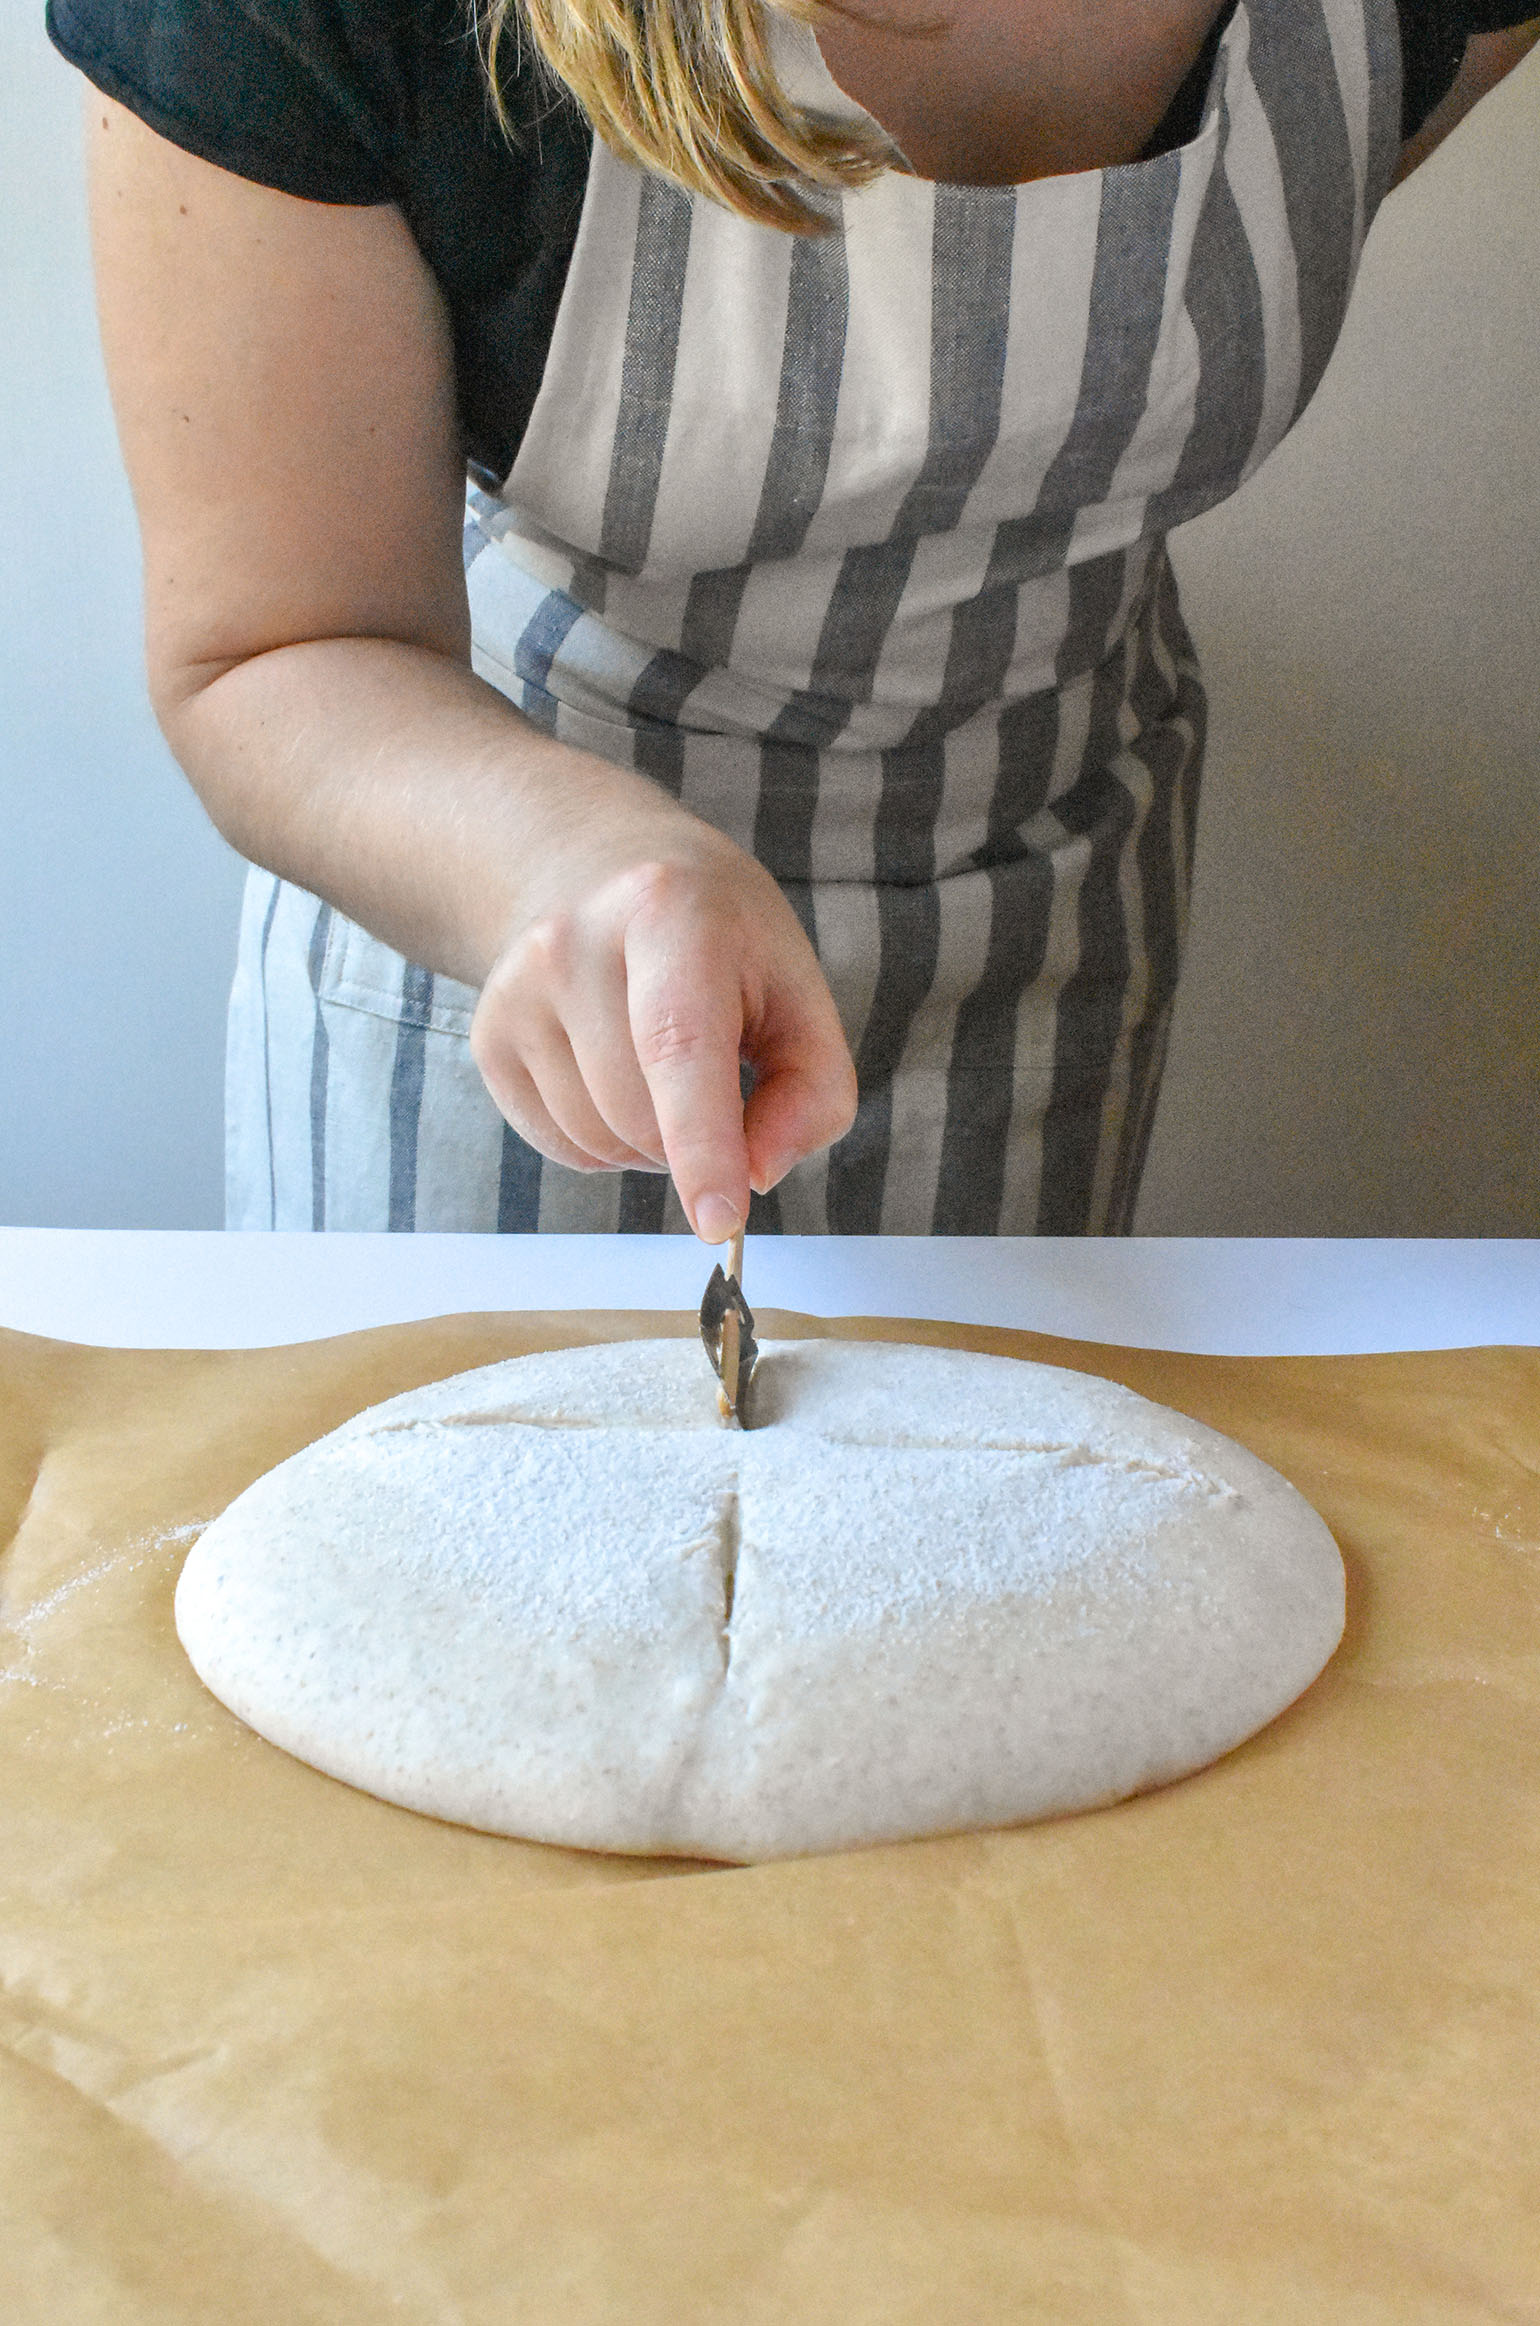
[928, 1591]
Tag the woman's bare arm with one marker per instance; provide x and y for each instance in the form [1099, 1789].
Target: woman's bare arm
[1489, 58]
[283, 381]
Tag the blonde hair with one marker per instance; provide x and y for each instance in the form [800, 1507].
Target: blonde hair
[685, 88]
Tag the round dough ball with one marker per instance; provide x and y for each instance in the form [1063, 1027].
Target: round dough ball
[926, 1592]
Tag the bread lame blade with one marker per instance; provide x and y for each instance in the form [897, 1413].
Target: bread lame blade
[727, 1330]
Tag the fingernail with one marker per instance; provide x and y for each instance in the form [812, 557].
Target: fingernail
[772, 1173]
[716, 1219]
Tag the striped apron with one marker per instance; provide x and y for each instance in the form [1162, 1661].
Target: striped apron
[855, 544]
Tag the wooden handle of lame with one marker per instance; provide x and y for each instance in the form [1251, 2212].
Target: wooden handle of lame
[731, 1329]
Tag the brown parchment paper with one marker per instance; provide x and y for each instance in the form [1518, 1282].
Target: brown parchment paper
[1261, 2048]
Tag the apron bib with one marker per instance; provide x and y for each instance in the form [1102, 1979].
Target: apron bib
[856, 544]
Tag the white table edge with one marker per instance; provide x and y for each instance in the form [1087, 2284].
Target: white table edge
[169, 1288]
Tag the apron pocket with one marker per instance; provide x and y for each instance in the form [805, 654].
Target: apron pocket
[360, 972]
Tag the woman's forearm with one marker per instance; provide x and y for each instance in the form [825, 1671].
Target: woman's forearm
[628, 955]
[391, 781]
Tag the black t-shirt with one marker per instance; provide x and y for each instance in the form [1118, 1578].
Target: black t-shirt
[363, 101]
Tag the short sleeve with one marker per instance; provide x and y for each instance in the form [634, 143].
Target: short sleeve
[301, 95]
[1497, 15]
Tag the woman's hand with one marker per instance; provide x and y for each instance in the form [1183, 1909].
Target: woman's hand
[647, 958]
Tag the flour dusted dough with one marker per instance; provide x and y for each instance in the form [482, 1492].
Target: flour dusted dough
[927, 1591]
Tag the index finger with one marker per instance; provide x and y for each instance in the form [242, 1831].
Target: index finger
[686, 1015]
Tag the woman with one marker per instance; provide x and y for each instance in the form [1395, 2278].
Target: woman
[799, 704]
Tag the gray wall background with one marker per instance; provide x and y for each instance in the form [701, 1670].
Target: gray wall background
[1357, 1051]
